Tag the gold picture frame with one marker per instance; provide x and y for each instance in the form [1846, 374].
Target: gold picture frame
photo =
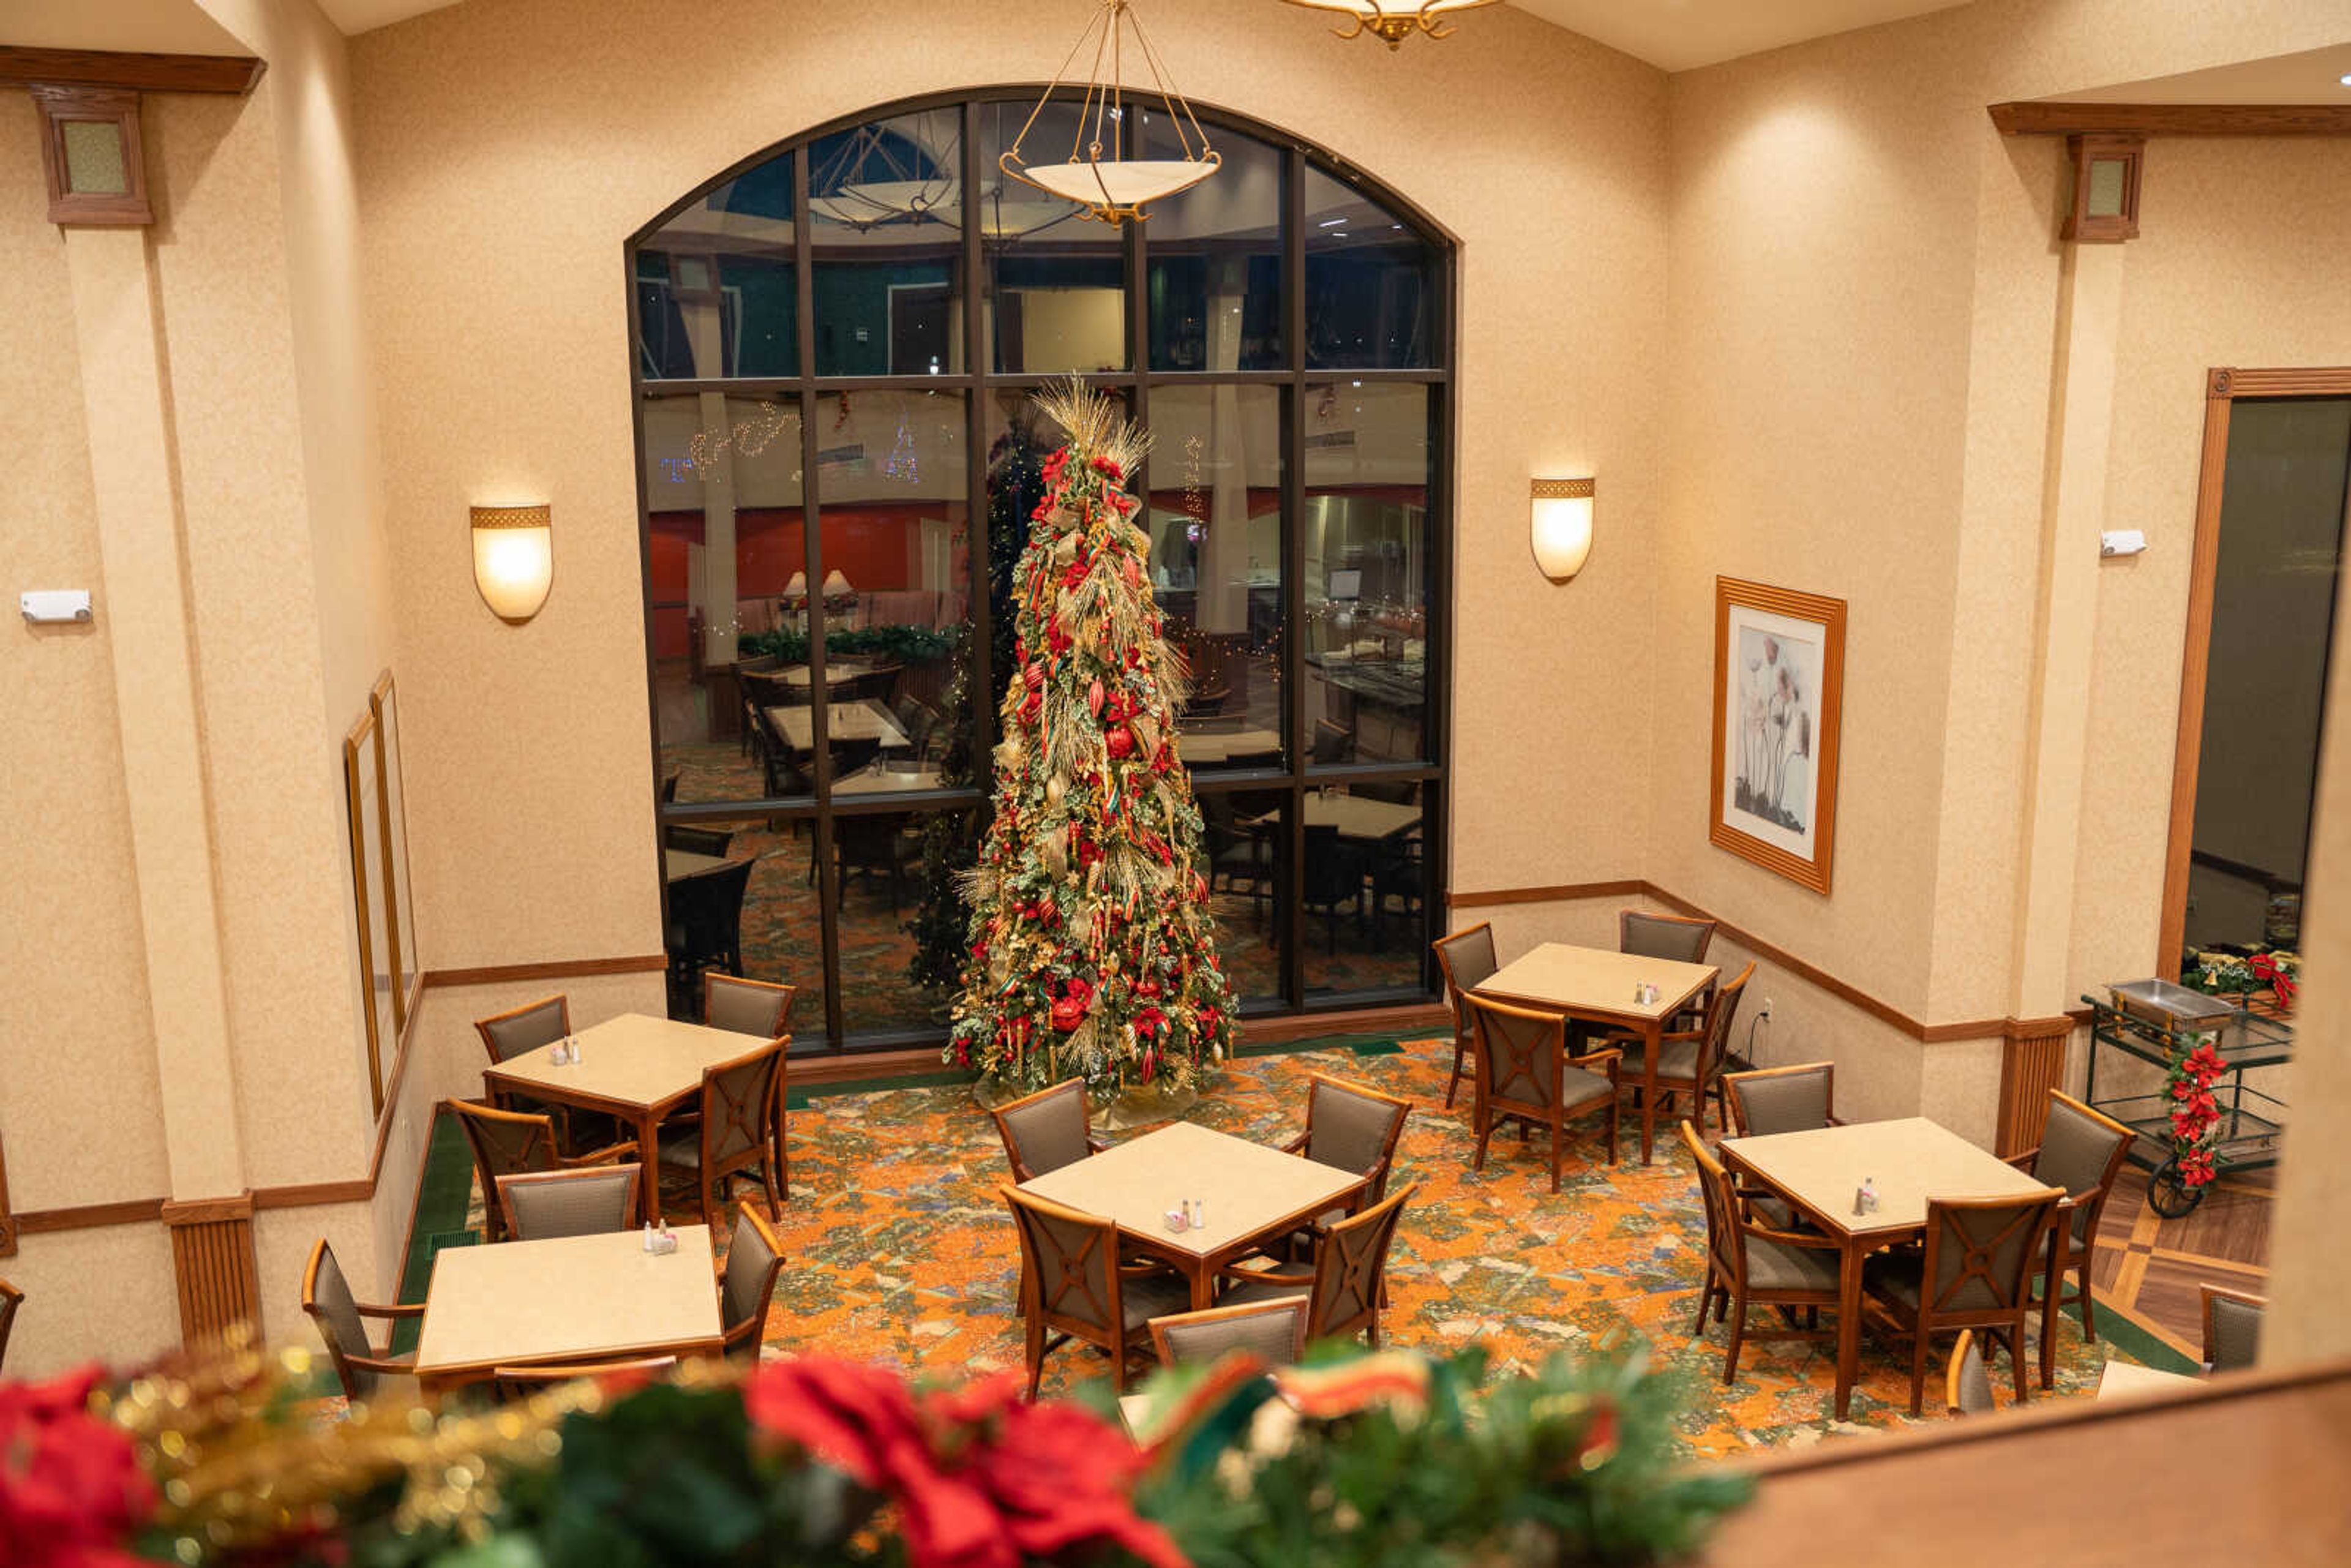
[1779, 693]
[364, 801]
[400, 900]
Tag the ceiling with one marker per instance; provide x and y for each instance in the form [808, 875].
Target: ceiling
[157, 26]
[359, 15]
[2313, 76]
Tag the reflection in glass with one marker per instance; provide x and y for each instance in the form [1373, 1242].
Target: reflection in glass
[1367, 570]
[902, 929]
[1364, 896]
[769, 917]
[1215, 269]
[1371, 283]
[722, 478]
[1056, 279]
[886, 215]
[1216, 564]
[1245, 852]
[715, 287]
[896, 594]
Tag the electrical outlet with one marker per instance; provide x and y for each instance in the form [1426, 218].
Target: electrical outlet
[1766, 1013]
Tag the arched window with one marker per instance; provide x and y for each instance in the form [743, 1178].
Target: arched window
[835, 347]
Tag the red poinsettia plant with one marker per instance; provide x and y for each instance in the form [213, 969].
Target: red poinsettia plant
[71, 1491]
[2195, 1111]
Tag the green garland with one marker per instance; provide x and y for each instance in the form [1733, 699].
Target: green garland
[907, 644]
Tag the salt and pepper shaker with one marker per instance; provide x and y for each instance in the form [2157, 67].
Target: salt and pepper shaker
[1864, 1196]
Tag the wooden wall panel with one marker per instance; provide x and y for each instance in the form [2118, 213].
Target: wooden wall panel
[213, 1259]
[2031, 1063]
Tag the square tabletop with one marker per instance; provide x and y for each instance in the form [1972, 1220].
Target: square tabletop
[2122, 1380]
[1249, 1189]
[1359, 816]
[571, 1297]
[677, 863]
[635, 1060]
[1908, 1161]
[878, 779]
[865, 719]
[1213, 745]
[837, 668]
[1595, 980]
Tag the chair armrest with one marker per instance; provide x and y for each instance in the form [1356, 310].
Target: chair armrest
[400, 1365]
[2024, 1161]
[396, 1310]
[1607, 1056]
[1296, 1146]
[613, 1155]
[1813, 1241]
[1097, 1144]
[1264, 1277]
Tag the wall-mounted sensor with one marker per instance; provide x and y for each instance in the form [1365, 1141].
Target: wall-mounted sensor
[2122, 542]
[47, 605]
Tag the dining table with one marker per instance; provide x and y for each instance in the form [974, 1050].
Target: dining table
[866, 718]
[564, 1300]
[1601, 985]
[1209, 748]
[1818, 1173]
[2128, 1380]
[639, 1069]
[1252, 1197]
[677, 863]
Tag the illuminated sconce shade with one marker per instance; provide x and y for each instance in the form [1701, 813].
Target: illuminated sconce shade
[1563, 526]
[836, 585]
[514, 559]
[797, 587]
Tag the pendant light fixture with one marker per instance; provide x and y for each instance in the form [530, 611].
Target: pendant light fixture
[879, 176]
[1395, 20]
[1100, 172]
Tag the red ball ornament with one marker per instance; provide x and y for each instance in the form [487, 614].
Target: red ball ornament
[1120, 741]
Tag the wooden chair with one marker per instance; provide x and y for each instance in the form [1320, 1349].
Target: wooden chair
[1348, 1128]
[739, 1126]
[741, 1005]
[1976, 1272]
[2081, 1151]
[518, 1031]
[1523, 1074]
[1073, 1286]
[521, 1382]
[327, 1297]
[511, 1143]
[2232, 1328]
[1274, 1331]
[1680, 938]
[696, 841]
[747, 1285]
[1750, 1265]
[1047, 1130]
[1349, 1279]
[1465, 959]
[543, 1205]
[706, 925]
[1967, 1384]
[1689, 1061]
[11, 1298]
[1771, 1100]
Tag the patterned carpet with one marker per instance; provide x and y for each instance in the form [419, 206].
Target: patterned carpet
[898, 1250]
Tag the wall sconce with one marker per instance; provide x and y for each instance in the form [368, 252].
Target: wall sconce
[836, 585]
[514, 559]
[1563, 526]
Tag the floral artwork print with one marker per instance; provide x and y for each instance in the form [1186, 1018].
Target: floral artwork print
[1777, 676]
[1779, 681]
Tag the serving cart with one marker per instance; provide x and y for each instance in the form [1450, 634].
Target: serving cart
[2154, 1021]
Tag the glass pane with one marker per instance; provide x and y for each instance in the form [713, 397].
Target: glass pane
[1246, 850]
[903, 922]
[1367, 570]
[774, 920]
[715, 287]
[896, 591]
[94, 162]
[1371, 283]
[886, 211]
[1056, 279]
[1215, 563]
[1214, 259]
[722, 476]
[1366, 890]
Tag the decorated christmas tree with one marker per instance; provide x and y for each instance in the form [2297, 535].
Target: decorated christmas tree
[1092, 951]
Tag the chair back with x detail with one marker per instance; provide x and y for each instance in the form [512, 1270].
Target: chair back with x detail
[1348, 1269]
[1072, 1285]
[741, 1127]
[1523, 1073]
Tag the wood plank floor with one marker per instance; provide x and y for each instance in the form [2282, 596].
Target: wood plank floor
[2151, 1266]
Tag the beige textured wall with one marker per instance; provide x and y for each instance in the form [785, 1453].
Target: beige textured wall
[502, 165]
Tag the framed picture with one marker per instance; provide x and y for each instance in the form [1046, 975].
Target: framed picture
[1779, 682]
[364, 796]
[400, 903]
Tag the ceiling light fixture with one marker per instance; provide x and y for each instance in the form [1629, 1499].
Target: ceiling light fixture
[1395, 20]
[1100, 174]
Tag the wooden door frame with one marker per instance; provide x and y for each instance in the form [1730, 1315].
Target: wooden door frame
[2222, 386]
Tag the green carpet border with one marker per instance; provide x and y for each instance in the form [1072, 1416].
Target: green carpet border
[1361, 1044]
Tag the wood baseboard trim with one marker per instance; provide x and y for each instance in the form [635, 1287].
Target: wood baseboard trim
[1491, 898]
[313, 1194]
[554, 970]
[89, 1216]
[1401, 1018]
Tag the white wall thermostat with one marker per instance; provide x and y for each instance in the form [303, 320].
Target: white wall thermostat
[2122, 542]
[47, 605]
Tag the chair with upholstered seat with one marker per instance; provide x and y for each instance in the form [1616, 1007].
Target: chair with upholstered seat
[1274, 1331]
[342, 1319]
[1348, 1283]
[1348, 1128]
[510, 1143]
[746, 1289]
[1680, 938]
[1750, 1265]
[11, 1298]
[1047, 1130]
[1466, 958]
[1690, 1061]
[705, 927]
[741, 1005]
[1073, 1286]
[518, 1031]
[1975, 1272]
[738, 1127]
[1966, 1383]
[541, 1205]
[2081, 1151]
[1523, 1074]
[2232, 1328]
[1772, 1100]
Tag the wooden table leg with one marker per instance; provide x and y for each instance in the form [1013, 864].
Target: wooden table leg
[649, 1155]
[2051, 1286]
[1848, 1325]
[1204, 1284]
[1649, 1032]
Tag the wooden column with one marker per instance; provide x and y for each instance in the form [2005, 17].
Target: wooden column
[218, 1273]
[2031, 1063]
